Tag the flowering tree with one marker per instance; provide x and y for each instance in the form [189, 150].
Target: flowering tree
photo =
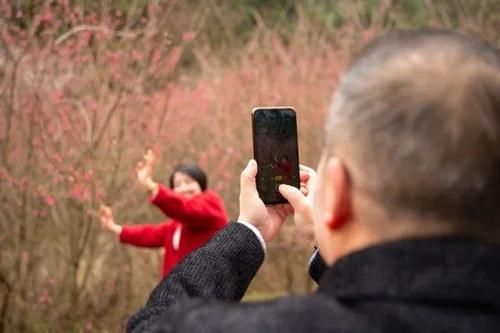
[82, 93]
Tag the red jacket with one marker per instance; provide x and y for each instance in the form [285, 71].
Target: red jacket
[193, 222]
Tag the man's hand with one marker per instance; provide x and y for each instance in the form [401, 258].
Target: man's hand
[144, 171]
[302, 203]
[268, 220]
[107, 220]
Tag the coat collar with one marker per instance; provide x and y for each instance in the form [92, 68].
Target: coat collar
[440, 269]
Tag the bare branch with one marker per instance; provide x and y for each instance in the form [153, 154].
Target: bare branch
[95, 28]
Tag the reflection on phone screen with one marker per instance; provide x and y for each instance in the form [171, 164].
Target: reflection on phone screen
[275, 135]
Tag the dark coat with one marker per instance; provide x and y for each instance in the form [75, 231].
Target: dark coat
[445, 284]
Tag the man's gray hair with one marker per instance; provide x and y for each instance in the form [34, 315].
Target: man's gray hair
[416, 120]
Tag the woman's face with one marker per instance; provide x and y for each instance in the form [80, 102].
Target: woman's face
[185, 185]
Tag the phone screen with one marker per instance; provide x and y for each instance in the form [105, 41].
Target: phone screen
[276, 151]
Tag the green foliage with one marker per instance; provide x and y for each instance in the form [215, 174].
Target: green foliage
[224, 26]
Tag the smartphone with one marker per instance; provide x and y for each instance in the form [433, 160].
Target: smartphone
[275, 149]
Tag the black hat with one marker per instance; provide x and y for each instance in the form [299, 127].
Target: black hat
[193, 171]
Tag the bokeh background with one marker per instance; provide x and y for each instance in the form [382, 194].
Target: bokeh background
[86, 86]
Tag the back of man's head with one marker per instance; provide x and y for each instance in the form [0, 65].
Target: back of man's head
[416, 121]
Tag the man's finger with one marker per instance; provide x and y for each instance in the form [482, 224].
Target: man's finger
[289, 210]
[304, 176]
[307, 169]
[248, 174]
[277, 210]
[304, 190]
[294, 196]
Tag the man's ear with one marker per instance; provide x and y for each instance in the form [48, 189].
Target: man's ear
[338, 194]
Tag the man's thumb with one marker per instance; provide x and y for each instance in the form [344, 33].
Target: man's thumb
[248, 176]
[293, 195]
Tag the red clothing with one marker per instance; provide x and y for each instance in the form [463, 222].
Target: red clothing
[196, 220]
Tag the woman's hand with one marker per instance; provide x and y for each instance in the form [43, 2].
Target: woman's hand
[107, 220]
[302, 204]
[144, 171]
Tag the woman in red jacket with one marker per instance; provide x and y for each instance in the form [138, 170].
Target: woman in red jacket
[195, 212]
